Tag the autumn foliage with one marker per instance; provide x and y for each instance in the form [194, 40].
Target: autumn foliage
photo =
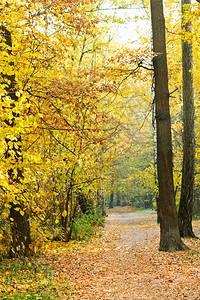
[66, 117]
[81, 115]
[76, 127]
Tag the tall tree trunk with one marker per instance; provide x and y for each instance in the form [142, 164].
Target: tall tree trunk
[154, 127]
[19, 224]
[169, 232]
[187, 187]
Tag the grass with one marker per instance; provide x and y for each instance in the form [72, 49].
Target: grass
[34, 296]
[196, 217]
[128, 209]
[120, 209]
[143, 211]
[29, 280]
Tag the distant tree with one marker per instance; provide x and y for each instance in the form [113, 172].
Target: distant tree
[111, 203]
[118, 203]
[169, 232]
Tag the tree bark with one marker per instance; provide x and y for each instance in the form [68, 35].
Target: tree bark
[19, 224]
[187, 187]
[169, 232]
[154, 125]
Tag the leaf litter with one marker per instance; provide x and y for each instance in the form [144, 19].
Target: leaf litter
[123, 262]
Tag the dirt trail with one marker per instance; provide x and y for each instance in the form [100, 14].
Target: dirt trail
[136, 229]
[124, 263]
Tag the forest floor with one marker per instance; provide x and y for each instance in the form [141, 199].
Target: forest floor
[121, 262]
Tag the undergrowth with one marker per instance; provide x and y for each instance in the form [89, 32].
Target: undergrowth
[86, 226]
[32, 280]
[35, 278]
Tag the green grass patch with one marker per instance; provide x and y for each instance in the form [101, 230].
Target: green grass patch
[37, 296]
[29, 280]
[143, 211]
[196, 217]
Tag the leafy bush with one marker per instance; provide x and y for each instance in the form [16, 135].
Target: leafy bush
[85, 227]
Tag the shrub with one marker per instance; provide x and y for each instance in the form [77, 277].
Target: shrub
[85, 226]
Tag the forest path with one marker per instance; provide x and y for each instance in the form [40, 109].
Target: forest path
[124, 263]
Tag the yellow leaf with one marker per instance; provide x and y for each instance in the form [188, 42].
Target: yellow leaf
[22, 212]
[64, 214]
